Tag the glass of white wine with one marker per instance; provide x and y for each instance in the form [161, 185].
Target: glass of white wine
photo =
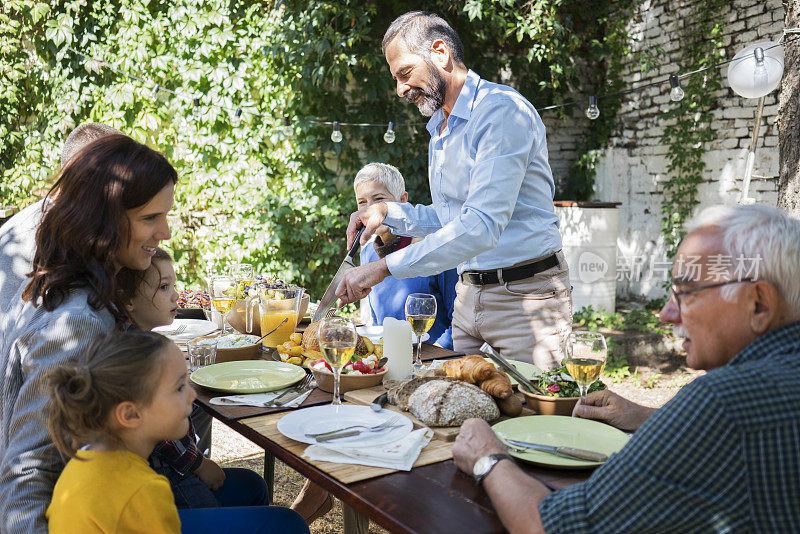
[421, 313]
[585, 357]
[337, 340]
[223, 297]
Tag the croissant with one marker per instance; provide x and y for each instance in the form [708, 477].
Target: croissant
[497, 385]
[472, 369]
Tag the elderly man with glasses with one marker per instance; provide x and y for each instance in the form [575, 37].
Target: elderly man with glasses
[724, 453]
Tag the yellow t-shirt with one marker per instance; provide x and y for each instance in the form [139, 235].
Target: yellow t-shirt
[112, 492]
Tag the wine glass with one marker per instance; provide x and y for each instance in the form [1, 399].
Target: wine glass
[586, 354]
[223, 297]
[337, 340]
[421, 313]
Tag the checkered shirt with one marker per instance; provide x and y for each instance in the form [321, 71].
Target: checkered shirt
[722, 456]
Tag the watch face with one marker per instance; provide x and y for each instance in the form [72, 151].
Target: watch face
[482, 466]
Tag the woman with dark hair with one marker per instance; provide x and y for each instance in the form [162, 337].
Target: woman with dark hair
[109, 214]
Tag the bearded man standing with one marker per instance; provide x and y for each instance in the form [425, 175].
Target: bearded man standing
[492, 214]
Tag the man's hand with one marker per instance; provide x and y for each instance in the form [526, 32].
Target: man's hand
[475, 440]
[371, 218]
[211, 474]
[358, 281]
[612, 409]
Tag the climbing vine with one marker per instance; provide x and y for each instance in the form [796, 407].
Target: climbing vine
[688, 124]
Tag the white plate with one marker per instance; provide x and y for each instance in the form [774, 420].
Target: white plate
[194, 328]
[328, 417]
[375, 333]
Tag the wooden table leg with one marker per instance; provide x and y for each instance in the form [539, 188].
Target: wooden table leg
[354, 522]
[269, 475]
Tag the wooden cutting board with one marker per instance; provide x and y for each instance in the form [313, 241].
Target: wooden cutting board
[444, 433]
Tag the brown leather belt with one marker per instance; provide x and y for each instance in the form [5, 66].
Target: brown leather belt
[485, 278]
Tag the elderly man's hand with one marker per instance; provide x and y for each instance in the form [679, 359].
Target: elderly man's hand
[358, 281]
[476, 439]
[371, 218]
[612, 409]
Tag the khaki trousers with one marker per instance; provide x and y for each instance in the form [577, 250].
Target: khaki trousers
[528, 320]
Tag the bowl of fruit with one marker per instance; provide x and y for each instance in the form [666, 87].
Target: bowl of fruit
[561, 392]
[360, 372]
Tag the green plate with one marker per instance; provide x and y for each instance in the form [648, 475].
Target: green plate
[248, 376]
[559, 430]
[527, 369]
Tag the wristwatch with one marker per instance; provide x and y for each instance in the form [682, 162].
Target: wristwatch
[484, 465]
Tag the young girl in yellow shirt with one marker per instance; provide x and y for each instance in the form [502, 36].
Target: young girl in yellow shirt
[127, 392]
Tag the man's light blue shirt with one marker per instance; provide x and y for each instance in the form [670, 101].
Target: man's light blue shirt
[491, 186]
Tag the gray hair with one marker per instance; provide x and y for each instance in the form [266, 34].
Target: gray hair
[386, 175]
[419, 29]
[82, 136]
[765, 234]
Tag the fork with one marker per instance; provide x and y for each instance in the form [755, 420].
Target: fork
[175, 332]
[386, 424]
[298, 388]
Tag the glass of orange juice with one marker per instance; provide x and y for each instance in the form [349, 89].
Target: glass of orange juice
[277, 308]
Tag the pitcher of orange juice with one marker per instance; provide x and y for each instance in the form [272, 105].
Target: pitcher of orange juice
[275, 305]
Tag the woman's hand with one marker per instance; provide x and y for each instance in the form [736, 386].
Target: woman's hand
[612, 409]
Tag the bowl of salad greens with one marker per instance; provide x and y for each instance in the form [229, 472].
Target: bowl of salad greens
[561, 392]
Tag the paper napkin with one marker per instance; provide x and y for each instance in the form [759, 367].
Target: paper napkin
[400, 454]
[258, 399]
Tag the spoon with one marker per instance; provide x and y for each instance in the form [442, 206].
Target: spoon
[271, 331]
[381, 362]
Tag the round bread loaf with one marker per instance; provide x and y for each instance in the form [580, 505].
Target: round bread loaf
[450, 403]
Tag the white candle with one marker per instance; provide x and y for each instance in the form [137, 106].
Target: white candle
[397, 348]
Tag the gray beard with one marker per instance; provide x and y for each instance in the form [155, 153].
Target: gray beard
[431, 99]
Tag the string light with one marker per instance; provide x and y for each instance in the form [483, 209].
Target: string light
[676, 93]
[286, 129]
[236, 119]
[760, 74]
[389, 136]
[336, 135]
[154, 92]
[592, 112]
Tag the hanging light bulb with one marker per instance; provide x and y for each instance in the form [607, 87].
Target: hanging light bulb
[154, 93]
[336, 135]
[236, 119]
[286, 129]
[592, 112]
[676, 93]
[389, 136]
[196, 111]
[760, 73]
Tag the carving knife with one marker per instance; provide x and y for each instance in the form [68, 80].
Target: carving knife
[567, 452]
[329, 298]
[379, 402]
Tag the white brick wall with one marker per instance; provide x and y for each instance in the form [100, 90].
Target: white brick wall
[634, 165]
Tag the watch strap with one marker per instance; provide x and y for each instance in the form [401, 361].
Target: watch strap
[496, 458]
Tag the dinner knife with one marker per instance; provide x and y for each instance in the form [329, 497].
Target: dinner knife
[566, 452]
[379, 402]
[329, 298]
[488, 351]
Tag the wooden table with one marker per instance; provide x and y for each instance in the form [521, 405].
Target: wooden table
[431, 499]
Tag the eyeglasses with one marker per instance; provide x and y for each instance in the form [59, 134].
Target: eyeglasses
[676, 295]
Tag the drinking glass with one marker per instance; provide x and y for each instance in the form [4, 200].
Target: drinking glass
[245, 276]
[421, 313]
[223, 297]
[202, 351]
[337, 340]
[585, 356]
